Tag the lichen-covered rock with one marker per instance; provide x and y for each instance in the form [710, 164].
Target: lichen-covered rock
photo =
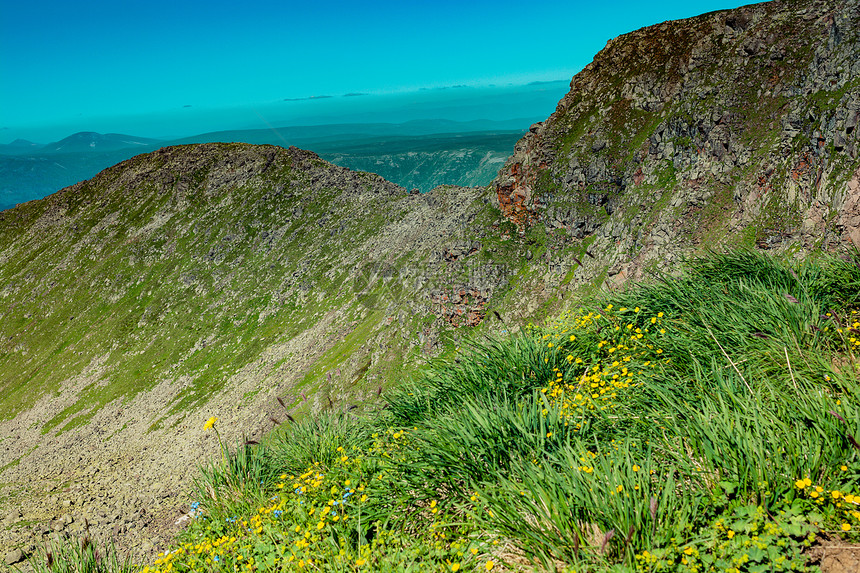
[735, 127]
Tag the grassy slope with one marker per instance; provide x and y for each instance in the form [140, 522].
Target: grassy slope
[192, 263]
[526, 280]
[701, 423]
[158, 269]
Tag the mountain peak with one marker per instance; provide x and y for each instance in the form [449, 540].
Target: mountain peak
[90, 140]
[741, 122]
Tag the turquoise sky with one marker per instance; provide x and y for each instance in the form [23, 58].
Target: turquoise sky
[65, 65]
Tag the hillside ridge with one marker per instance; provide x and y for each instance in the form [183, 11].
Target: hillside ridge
[222, 279]
[206, 280]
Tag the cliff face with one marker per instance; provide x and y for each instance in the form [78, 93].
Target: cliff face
[735, 127]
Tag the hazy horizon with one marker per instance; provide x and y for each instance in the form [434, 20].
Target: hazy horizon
[165, 68]
[529, 102]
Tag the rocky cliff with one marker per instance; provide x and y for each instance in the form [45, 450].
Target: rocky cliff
[224, 279]
[733, 128]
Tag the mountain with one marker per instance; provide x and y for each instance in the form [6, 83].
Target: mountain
[31, 171]
[218, 279]
[28, 176]
[734, 128]
[424, 162]
[19, 146]
[416, 154]
[91, 141]
[310, 135]
[211, 279]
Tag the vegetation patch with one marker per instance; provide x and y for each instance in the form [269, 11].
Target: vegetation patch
[702, 423]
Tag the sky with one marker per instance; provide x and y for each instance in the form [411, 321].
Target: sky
[72, 65]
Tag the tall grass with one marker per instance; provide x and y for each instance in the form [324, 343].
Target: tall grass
[319, 439]
[78, 555]
[239, 476]
[703, 421]
[510, 367]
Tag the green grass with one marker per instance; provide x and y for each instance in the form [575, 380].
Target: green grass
[343, 349]
[147, 335]
[702, 422]
[77, 556]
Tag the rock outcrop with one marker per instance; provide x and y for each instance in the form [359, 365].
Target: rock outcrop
[735, 127]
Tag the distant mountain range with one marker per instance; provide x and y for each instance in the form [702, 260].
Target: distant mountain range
[416, 154]
[20, 146]
[306, 135]
[89, 141]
